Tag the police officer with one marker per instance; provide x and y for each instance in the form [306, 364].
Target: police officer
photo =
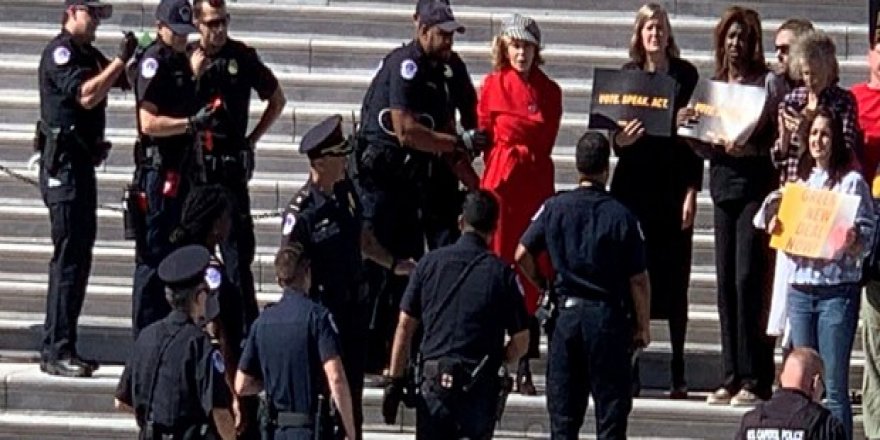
[442, 198]
[794, 410]
[405, 118]
[292, 349]
[467, 299]
[74, 80]
[168, 118]
[325, 217]
[174, 382]
[597, 250]
[230, 69]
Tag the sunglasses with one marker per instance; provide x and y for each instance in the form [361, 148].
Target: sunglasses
[217, 22]
[782, 48]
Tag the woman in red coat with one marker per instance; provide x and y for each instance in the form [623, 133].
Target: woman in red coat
[520, 107]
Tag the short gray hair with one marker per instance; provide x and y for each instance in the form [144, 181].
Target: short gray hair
[817, 49]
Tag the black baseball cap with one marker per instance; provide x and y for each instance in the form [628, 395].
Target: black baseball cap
[177, 15]
[102, 10]
[422, 3]
[438, 13]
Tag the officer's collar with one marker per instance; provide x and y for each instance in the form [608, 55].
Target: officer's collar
[178, 317]
[473, 239]
[292, 293]
[320, 197]
[796, 391]
[591, 185]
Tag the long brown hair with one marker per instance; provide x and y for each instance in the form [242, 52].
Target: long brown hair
[840, 160]
[754, 48]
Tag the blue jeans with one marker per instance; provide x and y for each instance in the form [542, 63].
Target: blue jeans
[825, 318]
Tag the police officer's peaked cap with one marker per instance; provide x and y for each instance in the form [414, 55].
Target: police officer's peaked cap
[177, 15]
[325, 139]
[185, 267]
[104, 10]
[438, 13]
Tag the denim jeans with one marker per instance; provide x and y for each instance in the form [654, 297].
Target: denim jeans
[825, 318]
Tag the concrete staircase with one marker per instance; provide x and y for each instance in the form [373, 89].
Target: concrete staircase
[324, 53]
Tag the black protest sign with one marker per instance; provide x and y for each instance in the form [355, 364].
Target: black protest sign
[873, 32]
[620, 96]
[727, 112]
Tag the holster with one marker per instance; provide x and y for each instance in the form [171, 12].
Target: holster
[506, 386]
[388, 167]
[548, 310]
[47, 142]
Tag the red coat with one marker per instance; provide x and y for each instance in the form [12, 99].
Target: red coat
[523, 119]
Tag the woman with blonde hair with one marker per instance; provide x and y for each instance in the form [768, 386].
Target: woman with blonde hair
[658, 179]
[521, 108]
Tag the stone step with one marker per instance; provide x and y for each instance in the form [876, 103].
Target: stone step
[27, 391]
[597, 23]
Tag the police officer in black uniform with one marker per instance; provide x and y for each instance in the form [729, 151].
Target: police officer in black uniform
[405, 121]
[293, 354]
[794, 411]
[174, 382]
[168, 118]
[325, 217]
[597, 250]
[228, 69]
[468, 300]
[74, 79]
[443, 199]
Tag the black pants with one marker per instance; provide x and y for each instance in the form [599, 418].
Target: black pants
[742, 260]
[441, 206]
[590, 355]
[385, 290]
[352, 320]
[71, 196]
[468, 415]
[163, 215]
[238, 251]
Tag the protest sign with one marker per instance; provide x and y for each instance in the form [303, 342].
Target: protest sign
[814, 222]
[620, 96]
[727, 112]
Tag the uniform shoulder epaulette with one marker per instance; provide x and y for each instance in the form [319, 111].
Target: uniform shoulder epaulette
[301, 197]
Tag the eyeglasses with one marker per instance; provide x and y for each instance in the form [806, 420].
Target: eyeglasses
[218, 22]
[782, 48]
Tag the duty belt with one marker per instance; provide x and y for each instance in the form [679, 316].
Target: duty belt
[287, 419]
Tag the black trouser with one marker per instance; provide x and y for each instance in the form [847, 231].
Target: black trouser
[441, 206]
[590, 355]
[239, 248]
[163, 215]
[386, 290]
[71, 196]
[742, 260]
[352, 320]
[461, 415]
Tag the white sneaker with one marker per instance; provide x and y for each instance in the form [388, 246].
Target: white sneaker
[720, 397]
[744, 398]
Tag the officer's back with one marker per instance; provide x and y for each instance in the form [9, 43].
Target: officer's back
[793, 411]
[174, 381]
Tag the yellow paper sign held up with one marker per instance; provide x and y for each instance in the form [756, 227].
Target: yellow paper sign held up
[814, 221]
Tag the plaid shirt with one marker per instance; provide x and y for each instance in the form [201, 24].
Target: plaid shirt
[841, 102]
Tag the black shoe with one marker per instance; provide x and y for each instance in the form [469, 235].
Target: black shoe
[90, 364]
[64, 368]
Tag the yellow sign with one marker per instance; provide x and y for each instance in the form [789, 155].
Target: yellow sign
[814, 222]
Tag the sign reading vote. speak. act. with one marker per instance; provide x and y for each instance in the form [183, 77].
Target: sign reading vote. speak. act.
[620, 96]
[726, 112]
[814, 222]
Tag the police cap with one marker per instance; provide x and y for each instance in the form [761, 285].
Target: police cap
[177, 15]
[185, 269]
[325, 139]
[438, 13]
[100, 9]
[422, 3]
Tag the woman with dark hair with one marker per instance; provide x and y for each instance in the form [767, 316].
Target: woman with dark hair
[521, 107]
[658, 178]
[741, 175]
[823, 297]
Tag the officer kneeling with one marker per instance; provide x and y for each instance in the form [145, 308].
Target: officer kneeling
[598, 253]
[174, 380]
[466, 298]
[794, 411]
[291, 346]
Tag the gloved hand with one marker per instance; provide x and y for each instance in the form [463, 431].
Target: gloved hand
[127, 46]
[203, 119]
[391, 400]
[473, 142]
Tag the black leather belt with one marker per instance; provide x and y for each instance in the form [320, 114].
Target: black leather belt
[286, 419]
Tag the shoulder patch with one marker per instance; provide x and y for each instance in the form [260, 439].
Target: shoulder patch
[538, 212]
[61, 55]
[213, 277]
[217, 360]
[408, 69]
[232, 67]
[289, 223]
[447, 71]
[149, 68]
